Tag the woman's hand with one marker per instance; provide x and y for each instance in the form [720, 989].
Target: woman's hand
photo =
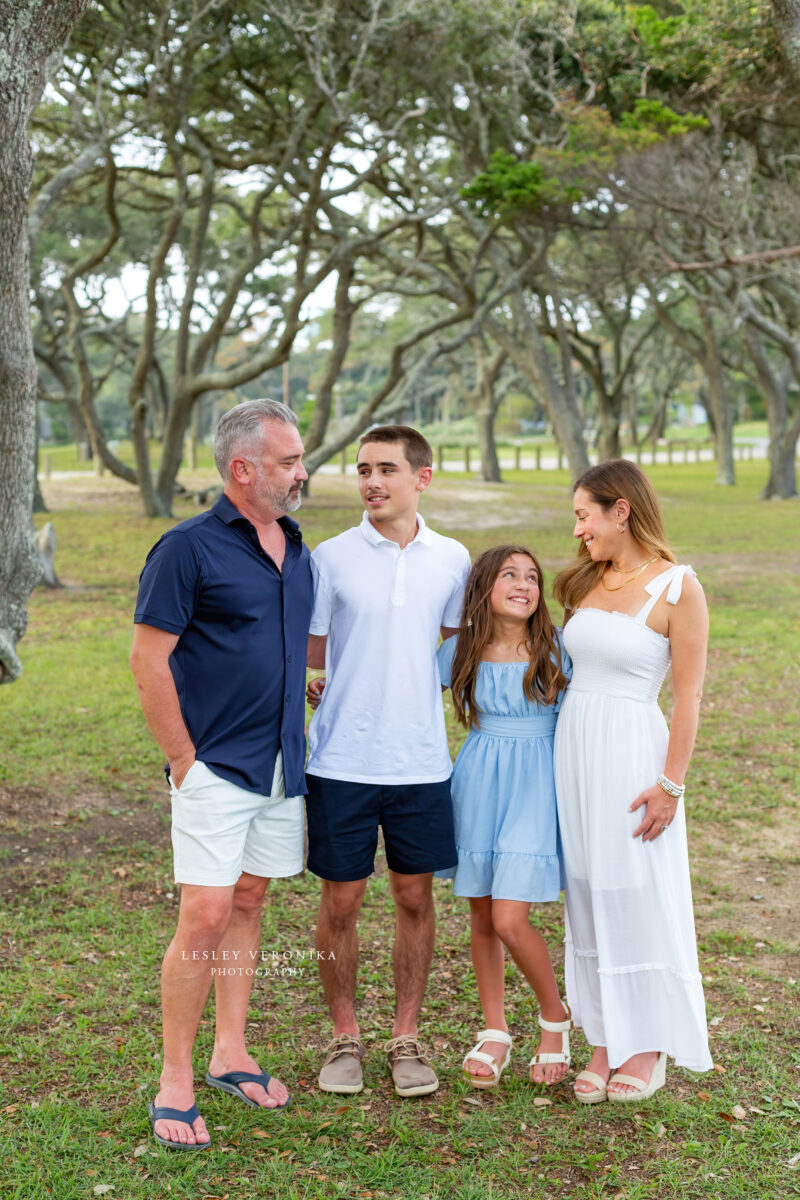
[314, 691]
[659, 813]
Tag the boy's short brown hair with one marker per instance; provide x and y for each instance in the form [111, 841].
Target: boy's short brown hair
[417, 449]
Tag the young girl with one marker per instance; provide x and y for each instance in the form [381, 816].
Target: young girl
[507, 671]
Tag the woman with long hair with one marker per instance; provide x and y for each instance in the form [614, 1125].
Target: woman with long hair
[507, 674]
[631, 967]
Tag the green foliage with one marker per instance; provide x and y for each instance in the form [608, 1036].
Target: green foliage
[509, 187]
[559, 179]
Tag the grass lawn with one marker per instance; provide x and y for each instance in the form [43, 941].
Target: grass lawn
[89, 906]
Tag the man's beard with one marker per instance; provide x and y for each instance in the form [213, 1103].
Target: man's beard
[281, 501]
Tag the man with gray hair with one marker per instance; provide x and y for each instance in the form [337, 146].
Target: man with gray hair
[219, 650]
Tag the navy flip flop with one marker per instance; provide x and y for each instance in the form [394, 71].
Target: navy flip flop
[232, 1079]
[174, 1114]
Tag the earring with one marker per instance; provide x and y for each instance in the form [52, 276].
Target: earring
[469, 623]
[621, 528]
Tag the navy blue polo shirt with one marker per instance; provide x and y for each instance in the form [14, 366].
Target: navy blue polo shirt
[240, 662]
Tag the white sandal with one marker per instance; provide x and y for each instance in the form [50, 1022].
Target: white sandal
[478, 1055]
[658, 1077]
[562, 1027]
[599, 1091]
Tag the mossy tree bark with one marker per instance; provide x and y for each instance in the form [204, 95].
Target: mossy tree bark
[30, 31]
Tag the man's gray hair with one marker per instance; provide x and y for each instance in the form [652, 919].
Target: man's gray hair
[240, 431]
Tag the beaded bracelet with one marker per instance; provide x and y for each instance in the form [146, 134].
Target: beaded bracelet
[675, 790]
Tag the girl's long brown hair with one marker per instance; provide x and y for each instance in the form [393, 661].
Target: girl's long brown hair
[608, 482]
[544, 677]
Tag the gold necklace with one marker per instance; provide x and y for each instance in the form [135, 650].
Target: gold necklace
[624, 583]
[627, 570]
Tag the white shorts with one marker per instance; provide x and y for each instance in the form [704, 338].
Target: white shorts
[220, 830]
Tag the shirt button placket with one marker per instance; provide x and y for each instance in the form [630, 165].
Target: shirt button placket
[399, 579]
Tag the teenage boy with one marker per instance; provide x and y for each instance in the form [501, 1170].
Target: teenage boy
[383, 592]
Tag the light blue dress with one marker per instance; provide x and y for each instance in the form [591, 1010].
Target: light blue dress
[504, 797]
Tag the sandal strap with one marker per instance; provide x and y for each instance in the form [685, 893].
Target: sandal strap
[630, 1080]
[539, 1060]
[480, 1056]
[591, 1077]
[494, 1035]
[557, 1026]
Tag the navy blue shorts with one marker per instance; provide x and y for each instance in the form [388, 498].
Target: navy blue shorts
[343, 820]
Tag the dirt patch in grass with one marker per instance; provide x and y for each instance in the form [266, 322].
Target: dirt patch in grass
[40, 830]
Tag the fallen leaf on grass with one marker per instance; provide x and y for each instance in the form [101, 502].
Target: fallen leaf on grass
[794, 1160]
[471, 1100]
[758, 1111]
[738, 1112]
[727, 1117]
[718, 1067]
[11, 1108]
[102, 1189]
[140, 1150]
[260, 1133]
[716, 1021]
[661, 1131]
[542, 1102]
[704, 1096]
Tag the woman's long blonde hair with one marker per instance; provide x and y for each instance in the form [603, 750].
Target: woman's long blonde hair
[543, 679]
[608, 482]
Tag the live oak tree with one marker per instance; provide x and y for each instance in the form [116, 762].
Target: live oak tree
[230, 152]
[31, 31]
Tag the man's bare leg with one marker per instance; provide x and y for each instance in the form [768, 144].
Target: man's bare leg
[337, 943]
[415, 930]
[185, 983]
[233, 987]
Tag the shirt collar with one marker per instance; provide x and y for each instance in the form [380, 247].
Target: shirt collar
[375, 537]
[227, 512]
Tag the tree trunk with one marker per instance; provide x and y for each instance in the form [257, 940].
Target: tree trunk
[786, 16]
[30, 30]
[490, 463]
[39, 505]
[720, 404]
[608, 443]
[20, 569]
[783, 433]
[782, 480]
[530, 355]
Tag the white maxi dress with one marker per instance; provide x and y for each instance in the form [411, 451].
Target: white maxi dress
[632, 975]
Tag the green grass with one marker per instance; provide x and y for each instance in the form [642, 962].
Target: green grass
[89, 906]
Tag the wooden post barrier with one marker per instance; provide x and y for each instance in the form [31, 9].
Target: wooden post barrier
[517, 457]
[466, 459]
[47, 465]
[343, 462]
[538, 458]
[560, 458]
[440, 457]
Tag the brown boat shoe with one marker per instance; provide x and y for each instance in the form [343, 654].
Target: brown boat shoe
[412, 1074]
[341, 1071]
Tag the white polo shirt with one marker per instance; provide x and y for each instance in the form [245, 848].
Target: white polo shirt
[381, 718]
